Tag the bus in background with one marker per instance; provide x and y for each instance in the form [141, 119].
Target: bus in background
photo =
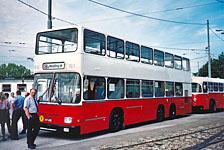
[12, 85]
[207, 93]
[89, 81]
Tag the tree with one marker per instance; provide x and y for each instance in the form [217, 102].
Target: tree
[14, 71]
[217, 68]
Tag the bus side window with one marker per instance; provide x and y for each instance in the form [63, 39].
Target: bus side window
[178, 89]
[94, 88]
[159, 89]
[205, 87]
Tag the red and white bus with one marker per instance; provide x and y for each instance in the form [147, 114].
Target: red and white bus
[207, 93]
[91, 81]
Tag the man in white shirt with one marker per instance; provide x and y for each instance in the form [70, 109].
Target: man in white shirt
[33, 125]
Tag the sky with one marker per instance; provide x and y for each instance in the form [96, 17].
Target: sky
[19, 25]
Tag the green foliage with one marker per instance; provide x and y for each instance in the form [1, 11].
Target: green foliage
[217, 68]
[14, 71]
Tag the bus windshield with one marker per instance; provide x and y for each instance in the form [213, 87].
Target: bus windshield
[59, 41]
[196, 88]
[58, 87]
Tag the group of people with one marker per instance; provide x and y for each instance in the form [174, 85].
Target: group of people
[15, 107]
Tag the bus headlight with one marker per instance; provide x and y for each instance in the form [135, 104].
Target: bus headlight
[195, 99]
[67, 119]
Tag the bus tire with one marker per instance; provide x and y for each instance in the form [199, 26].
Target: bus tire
[172, 111]
[160, 113]
[116, 120]
[212, 106]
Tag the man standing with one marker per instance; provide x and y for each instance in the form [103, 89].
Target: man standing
[17, 113]
[33, 125]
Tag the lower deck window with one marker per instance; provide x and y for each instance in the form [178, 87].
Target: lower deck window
[216, 87]
[132, 88]
[169, 89]
[94, 88]
[115, 88]
[178, 89]
[159, 89]
[220, 87]
[147, 88]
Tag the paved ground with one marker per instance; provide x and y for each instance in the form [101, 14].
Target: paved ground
[52, 140]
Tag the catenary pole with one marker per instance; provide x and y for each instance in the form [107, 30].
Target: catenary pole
[209, 54]
[49, 21]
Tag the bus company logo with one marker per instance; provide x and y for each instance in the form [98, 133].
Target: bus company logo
[53, 66]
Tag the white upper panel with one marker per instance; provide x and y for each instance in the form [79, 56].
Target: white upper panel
[200, 80]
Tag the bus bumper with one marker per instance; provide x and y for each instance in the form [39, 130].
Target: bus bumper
[58, 128]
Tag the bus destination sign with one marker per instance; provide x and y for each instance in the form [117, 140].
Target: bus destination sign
[53, 66]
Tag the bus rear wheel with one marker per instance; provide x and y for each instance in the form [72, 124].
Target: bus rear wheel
[116, 120]
[160, 113]
[212, 106]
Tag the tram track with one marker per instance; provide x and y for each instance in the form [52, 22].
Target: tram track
[216, 136]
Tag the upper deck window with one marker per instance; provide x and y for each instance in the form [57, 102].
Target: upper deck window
[177, 62]
[58, 41]
[169, 60]
[132, 51]
[158, 58]
[94, 42]
[186, 64]
[146, 55]
[115, 47]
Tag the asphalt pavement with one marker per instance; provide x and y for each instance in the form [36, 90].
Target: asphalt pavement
[53, 140]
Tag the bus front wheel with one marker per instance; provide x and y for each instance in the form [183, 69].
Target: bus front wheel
[116, 120]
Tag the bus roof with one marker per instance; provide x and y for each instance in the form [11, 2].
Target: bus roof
[206, 79]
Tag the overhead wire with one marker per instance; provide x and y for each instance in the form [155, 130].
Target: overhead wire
[158, 11]
[216, 34]
[159, 19]
[148, 17]
[40, 11]
[174, 48]
[198, 57]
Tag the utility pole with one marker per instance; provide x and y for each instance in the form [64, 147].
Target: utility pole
[49, 21]
[49, 25]
[209, 54]
[198, 69]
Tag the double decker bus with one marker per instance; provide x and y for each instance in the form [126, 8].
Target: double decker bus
[207, 93]
[89, 81]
